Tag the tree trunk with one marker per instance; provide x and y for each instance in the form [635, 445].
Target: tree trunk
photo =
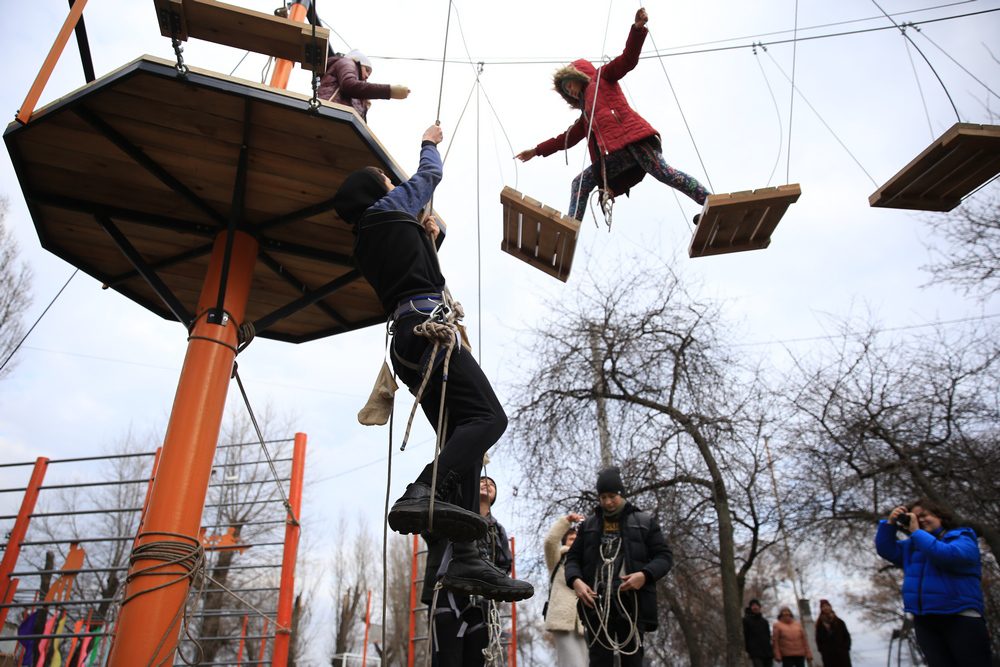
[689, 628]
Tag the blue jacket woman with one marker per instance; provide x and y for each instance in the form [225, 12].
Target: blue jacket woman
[942, 569]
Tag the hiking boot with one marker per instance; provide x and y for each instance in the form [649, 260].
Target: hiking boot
[411, 514]
[470, 574]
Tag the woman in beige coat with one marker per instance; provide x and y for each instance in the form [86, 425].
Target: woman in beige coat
[561, 618]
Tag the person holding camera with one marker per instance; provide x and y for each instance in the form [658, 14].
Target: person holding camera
[560, 609]
[942, 570]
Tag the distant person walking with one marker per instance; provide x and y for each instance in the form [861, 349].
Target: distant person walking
[789, 640]
[757, 636]
[832, 638]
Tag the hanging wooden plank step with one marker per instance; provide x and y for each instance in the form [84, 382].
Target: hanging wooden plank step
[537, 234]
[741, 221]
[244, 29]
[958, 162]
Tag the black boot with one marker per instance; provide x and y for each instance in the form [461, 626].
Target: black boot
[469, 573]
[411, 513]
[696, 219]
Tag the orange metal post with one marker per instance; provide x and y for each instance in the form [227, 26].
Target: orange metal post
[28, 107]
[286, 593]
[512, 649]
[282, 67]
[263, 642]
[368, 625]
[148, 625]
[17, 533]
[411, 653]
[243, 639]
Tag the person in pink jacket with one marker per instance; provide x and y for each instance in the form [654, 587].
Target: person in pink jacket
[346, 82]
[623, 146]
[791, 646]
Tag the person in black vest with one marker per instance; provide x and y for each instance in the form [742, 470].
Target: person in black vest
[613, 566]
[395, 251]
[757, 636]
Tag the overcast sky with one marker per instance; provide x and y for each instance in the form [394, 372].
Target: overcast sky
[98, 364]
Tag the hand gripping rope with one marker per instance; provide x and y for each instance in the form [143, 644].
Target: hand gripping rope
[603, 604]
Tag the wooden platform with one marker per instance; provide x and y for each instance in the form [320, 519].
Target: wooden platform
[958, 162]
[537, 234]
[244, 29]
[132, 177]
[741, 220]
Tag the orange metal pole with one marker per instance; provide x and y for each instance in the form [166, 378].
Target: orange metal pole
[149, 624]
[283, 68]
[28, 107]
[368, 625]
[243, 639]
[263, 642]
[286, 592]
[512, 651]
[411, 654]
[17, 533]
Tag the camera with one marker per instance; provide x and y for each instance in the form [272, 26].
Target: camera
[903, 521]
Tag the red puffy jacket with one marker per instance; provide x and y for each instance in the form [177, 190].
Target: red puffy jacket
[615, 123]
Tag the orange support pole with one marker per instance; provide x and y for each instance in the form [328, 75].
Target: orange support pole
[411, 652]
[263, 642]
[512, 649]
[368, 625]
[286, 592]
[31, 99]
[243, 640]
[282, 67]
[17, 533]
[156, 588]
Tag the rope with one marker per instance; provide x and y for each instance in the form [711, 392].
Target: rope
[493, 654]
[920, 88]
[791, 94]
[260, 437]
[926, 60]
[952, 59]
[385, 512]
[444, 59]
[25, 336]
[777, 112]
[604, 603]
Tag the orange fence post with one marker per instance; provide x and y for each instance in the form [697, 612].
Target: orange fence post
[263, 641]
[411, 652]
[282, 67]
[148, 625]
[17, 533]
[512, 649]
[286, 592]
[31, 99]
[243, 639]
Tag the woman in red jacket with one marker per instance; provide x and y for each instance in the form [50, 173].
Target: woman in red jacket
[623, 146]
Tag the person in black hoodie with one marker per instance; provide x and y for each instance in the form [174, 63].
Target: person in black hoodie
[757, 636]
[613, 566]
[395, 249]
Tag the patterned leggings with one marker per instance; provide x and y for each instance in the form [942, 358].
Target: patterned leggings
[648, 156]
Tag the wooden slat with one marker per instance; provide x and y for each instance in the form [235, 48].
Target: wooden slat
[741, 221]
[537, 234]
[244, 29]
[953, 166]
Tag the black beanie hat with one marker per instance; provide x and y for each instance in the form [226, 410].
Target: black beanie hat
[609, 480]
[497, 492]
[357, 193]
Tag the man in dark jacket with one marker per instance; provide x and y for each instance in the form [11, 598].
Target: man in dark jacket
[614, 564]
[396, 254]
[757, 636]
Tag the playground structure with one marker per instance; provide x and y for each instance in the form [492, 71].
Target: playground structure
[245, 600]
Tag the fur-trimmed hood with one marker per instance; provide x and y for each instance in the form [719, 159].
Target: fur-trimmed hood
[579, 70]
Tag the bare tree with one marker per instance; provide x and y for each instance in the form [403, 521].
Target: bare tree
[15, 292]
[686, 418]
[354, 574]
[969, 256]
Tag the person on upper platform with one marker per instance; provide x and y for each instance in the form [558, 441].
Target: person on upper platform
[623, 146]
[346, 82]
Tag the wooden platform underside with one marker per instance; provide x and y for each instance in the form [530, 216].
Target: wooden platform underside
[741, 221]
[133, 176]
[244, 29]
[953, 166]
[537, 234]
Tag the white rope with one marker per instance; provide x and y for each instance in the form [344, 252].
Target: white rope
[493, 653]
[603, 604]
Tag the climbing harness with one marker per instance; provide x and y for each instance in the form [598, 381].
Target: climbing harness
[607, 595]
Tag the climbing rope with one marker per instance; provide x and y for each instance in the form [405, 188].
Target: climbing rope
[493, 654]
[609, 552]
[791, 101]
[777, 111]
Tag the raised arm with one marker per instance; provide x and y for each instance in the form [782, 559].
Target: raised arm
[413, 195]
[629, 58]
[351, 85]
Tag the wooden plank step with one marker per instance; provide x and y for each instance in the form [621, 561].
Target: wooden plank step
[537, 234]
[741, 221]
[954, 165]
[245, 29]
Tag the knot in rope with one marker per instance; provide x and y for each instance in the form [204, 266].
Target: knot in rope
[493, 654]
